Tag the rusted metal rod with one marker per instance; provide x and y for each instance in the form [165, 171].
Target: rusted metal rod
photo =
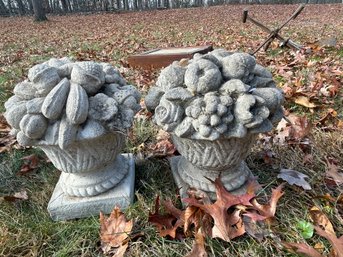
[275, 33]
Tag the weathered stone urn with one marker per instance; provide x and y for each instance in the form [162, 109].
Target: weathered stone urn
[78, 114]
[214, 105]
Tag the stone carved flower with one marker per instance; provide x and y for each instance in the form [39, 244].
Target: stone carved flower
[219, 94]
[168, 115]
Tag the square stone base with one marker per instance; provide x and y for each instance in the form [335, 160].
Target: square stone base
[64, 207]
[181, 185]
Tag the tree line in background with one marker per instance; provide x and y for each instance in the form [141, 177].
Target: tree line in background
[40, 7]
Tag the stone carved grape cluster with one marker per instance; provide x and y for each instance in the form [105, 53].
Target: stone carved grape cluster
[216, 94]
[64, 101]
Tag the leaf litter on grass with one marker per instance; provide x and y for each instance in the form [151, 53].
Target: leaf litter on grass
[316, 76]
[228, 217]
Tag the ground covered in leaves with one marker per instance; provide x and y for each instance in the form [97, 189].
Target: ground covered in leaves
[308, 142]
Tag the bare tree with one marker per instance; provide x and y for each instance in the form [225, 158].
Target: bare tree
[64, 5]
[3, 8]
[39, 11]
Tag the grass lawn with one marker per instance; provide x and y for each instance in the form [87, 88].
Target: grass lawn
[25, 226]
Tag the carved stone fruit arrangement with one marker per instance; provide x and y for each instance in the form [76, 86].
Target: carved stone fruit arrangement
[214, 105]
[62, 100]
[77, 113]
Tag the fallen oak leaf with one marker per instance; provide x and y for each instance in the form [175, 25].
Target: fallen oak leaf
[256, 229]
[197, 217]
[336, 243]
[332, 172]
[294, 177]
[218, 210]
[178, 214]
[198, 249]
[292, 128]
[167, 224]
[320, 219]
[302, 248]
[114, 232]
[268, 210]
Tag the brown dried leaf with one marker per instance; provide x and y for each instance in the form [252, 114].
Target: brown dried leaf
[198, 249]
[336, 243]
[114, 231]
[18, 196]
[292, 128]
[303, 249]
[256, 229]
[218, 210]
[320, 219]
[301, 126]
[332, 172]
[30, 163]
[304, 101]
[268, 210]
[167, 224]
[6, 140]
[162, 148]
[120, 251]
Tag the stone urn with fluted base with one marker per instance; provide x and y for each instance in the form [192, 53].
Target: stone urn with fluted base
[202, 160]
[78, 113]
[90, 167]
[214, 105]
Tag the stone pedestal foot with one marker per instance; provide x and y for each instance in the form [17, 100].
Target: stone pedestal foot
[177, 164]
[64, 207]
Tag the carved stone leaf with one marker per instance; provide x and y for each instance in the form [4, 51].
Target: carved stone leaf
[178, 94]
[114, 231]
[294, 177]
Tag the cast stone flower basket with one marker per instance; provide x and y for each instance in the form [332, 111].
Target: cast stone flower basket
[78, 113]
[214, 105]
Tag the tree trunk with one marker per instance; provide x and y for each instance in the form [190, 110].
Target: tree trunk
[21, 7]
[3, 9]
[9, 4]
[38, 10]
[126, 4]
[29, 2]
[69, 6]
[135, 4]
[64, 5]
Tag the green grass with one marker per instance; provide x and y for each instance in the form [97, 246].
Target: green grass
[28, 230]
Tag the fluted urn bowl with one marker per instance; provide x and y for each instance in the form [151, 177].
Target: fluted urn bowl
[89, 167]
[86, 155]
[224, 158]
